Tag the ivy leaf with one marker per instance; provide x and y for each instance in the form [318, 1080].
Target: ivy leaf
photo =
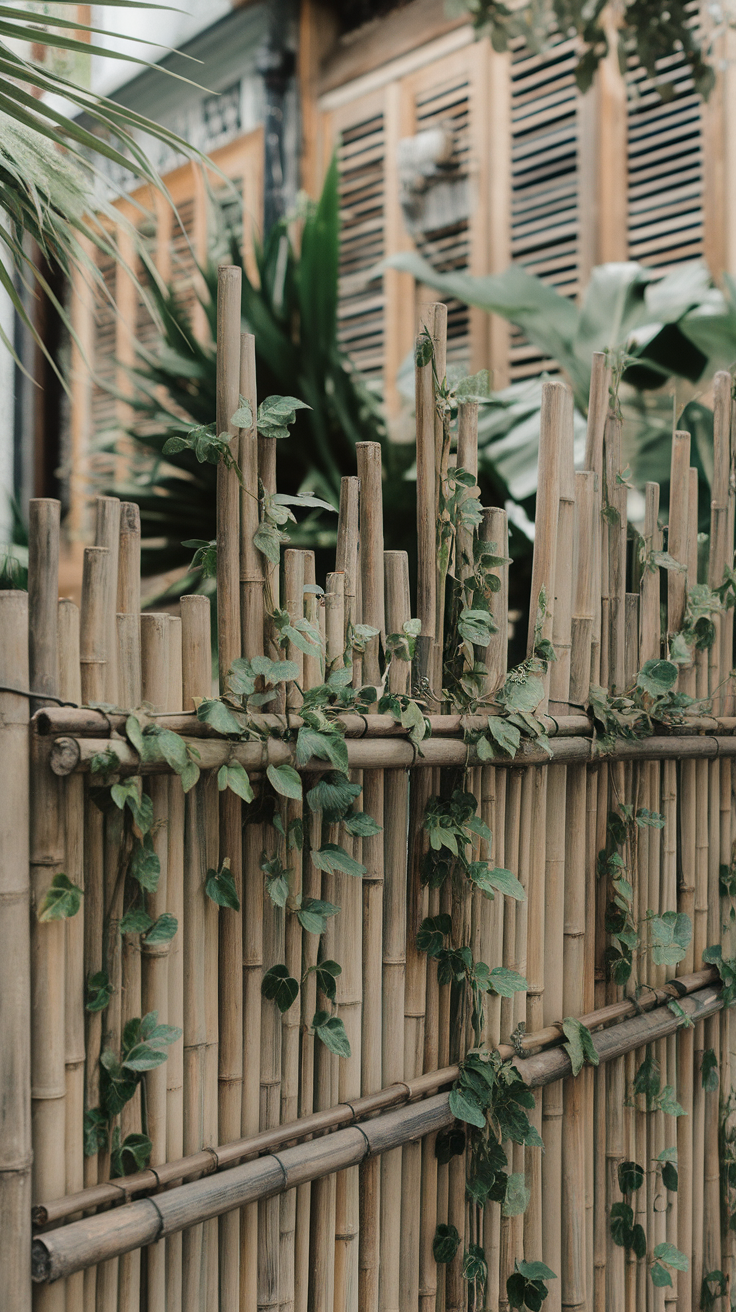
[274, 671]
[504, 882]
[331, 1031]
[621, 1221]
[445, 1243]
[99, 991]
[432, 933]
[234, 777]
[579, 1047]
[465, 1107]
[276, 413]
[145, 866]
[162, 930]
[668, 1102]
[521, 694]
[62, 901]
[505, 735]
[133, 1154]
[324, 746]
[278, 986]
[360, 824]
[476, 626]
[220, 887]
[268, 540]
[331, 858]
[243, 417]
[475, 1267]
[517, 1196]
[671, 933]
[669, 1177]
[630, 1177]
[535, 1271]
[657, 677]
[143, 1058]
[639, 1241]
[313, 914]
[213, 712]
[651, 819]
[139, 804]
[285, 780]
[327, 973]
[135, 921]
[96, 1131]
[672, 1256]
[423, 351]
[333, 794]
[506, 982]
[660, 1276]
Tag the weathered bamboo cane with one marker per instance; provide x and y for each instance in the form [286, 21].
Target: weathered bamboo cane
[15, 956]
[177, 908]
[48, 1073]
[107, 534]
[70, 689]
[251, 561]
[371, 554]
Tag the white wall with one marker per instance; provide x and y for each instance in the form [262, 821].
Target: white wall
[161, 30]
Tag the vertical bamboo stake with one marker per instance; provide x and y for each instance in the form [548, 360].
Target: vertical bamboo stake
[228, 629]
[677, 535]
[396, 796]
[176, 906]
[270, 1099]
[107, 534]
[251, 561]
[155, 655]
[616, 498]
[71, 690]
[371, 553]
[48, 1072]
[346, 557]
[15, 957]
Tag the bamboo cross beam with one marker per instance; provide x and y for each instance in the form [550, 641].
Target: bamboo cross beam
[59, 1253]
[68, 755]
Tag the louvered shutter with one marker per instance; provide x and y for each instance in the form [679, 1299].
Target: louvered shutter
[665, 160]
[545, 229]
[361, 162]
[103, 407]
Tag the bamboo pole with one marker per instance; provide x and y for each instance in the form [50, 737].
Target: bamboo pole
[71, 690]
[107, 534]
[196, 682]
[229, 279]
[155, 657]
[251, 561]
[371, 554]
[48, 1073]
[347, 556]
[15, 958]
[177, 908]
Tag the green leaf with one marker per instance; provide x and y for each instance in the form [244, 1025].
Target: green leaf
[286, 780]
[220, 887]
[331, 857]
[143, 1058]
[506, 736]
[649, 819]
[331, 1031]
[325, 747]
[139, 804]
[423, 351]
[276, 412]
[657, 677]
[445, 1243]
[333, 794]
[475, 1267]
[630, 1177]
[162, 930]
[278, 986]
[672, 1256]
[535, 1271]
[709, 1071]
[504, 882]
[476, 626]
[234, 777]
[669, 1177]
[621, 1222]
[521, 693]
[214, 713]
[243, 417]
[507, 982]
[517, 1196]
[99, 991]
[135, 921]
[360, 824]
[96, 1132]
[145, 866]
[327, 973]
[465, 1107]
[432, 933]
[62, 901]
[133, 1154]
[313, 914]
[580, 1047]
[668, 1102]
[660, 1276]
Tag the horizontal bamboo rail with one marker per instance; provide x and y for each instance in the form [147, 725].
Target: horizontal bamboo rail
[212, 1159]
[68, 755]
[71, 1248]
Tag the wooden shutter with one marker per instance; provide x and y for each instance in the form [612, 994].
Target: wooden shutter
[361, 303]
[545, 229]
[665, 160]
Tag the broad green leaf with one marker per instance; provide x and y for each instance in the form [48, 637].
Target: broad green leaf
[327, 973]
[475, 626]
[445, 1243]
[423, 350]
[579, 1046]
[517, 1196]
[313, 914]
[505, 882]
[660, 1276]
[432, 933]
[465, 1106]
[506, 982]
[286, 780]
[709, 1071]
[162, 930]
[657, 677]
[331, 857]
[243, 417]
[331, 1031]
[96, 1132]
[324, 746]
[62, 901]
[535, 1271]
[278, 986]
[135, 921]
[333, 794]
[360, 824]
[276, 413]
[133, 1154]
[672, 1256]
[669, 1176]
[143, 1058]
[220, 887]
[99, 991]
[214, 713]
[521, 694]
[274, 671]
[506, 736]
[145, 866]
[630, 1177]
[139, 804]
[668, 1103]
[234, 777]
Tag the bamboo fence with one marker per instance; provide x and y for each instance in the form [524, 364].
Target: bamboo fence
[257, 1166]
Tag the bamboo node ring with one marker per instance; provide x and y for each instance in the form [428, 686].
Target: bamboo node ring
[282, 1168]
[214, 1155]
[365, 1136]
[365, 725]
